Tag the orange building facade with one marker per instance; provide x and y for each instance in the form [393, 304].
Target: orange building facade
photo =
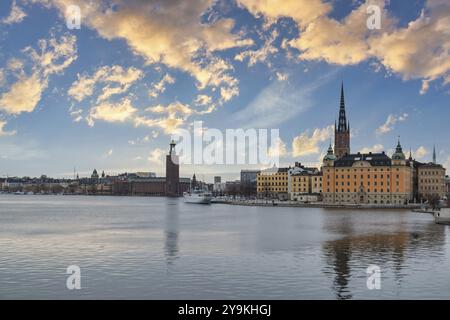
[371, 178]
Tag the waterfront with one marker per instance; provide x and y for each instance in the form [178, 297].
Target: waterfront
[162, 248]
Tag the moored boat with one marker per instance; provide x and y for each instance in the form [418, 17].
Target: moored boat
[197, 196]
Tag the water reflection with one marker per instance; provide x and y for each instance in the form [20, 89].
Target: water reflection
[171, 231]
[338, 254]
[386, 242]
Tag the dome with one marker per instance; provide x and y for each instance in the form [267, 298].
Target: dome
[398, 154]
[330, 154]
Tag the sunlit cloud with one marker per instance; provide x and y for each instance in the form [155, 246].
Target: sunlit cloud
[160, 87]
[306, 144]
[52, 57]
[390, 123]
[16, 14]
[376, 148]
[3, 132]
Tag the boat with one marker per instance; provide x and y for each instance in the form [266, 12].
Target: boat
[442, 216]
[197, 196]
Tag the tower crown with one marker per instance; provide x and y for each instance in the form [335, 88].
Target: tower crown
[172, 147]
[398, 154]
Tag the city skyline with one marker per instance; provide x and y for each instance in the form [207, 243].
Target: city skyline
[100, 98]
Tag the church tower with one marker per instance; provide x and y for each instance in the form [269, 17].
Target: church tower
[172, 172]
[342, 130]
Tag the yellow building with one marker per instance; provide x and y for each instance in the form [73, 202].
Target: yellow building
[290, 183]
[304, 184]
[371, 178]
[316, 183]
[431, 181]
[273, 183]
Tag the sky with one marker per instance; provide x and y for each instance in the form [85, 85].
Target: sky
[110, 94]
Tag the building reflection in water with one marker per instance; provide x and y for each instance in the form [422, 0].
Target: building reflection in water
[355, 249]
[171, 231]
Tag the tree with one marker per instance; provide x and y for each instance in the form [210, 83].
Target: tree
[433, 200]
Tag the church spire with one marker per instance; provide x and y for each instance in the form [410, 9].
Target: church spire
[434, 154]
[342, 130]
[342, 127]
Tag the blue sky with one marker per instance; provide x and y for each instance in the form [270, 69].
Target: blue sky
[109, 95]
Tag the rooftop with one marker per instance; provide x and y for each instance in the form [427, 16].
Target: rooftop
[375, 159]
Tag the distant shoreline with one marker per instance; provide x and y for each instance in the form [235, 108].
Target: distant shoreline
[268, 203]
[261, 203]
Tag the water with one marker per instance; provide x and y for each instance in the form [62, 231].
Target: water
[159, 248]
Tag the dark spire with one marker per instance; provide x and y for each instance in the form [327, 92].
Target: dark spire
[342, 127]
[399, 146]
[434, 154]
[194, 181]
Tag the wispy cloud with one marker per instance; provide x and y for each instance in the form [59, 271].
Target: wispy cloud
[279, 102]
[16, 14]
[390, 123]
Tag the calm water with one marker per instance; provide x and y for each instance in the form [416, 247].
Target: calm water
[158, 248]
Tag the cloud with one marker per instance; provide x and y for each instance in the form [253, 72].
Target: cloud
[390, 123]
[262, 54]
[172, 109]
[2, 77]
[417, 51]
[227, 94]
[376, 148]
[447, 163]
[282, 76]
[160, 86]
[420, 153]
[4, 133]
[279, 102]
[149, 31]
[53, 56]
[112, 112]
[303, 12]
[168, 124]
[425, 86]
[173, 116]
[304, 144]
[156, 156]
[203, 100]
[278, 149]
[16, 14]
[23, 95]
[113, 79]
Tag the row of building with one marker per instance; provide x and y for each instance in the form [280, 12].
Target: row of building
[130, 184]
[346, 178]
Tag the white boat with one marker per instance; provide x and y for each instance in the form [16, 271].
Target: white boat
[197, 196]
[442, 216]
